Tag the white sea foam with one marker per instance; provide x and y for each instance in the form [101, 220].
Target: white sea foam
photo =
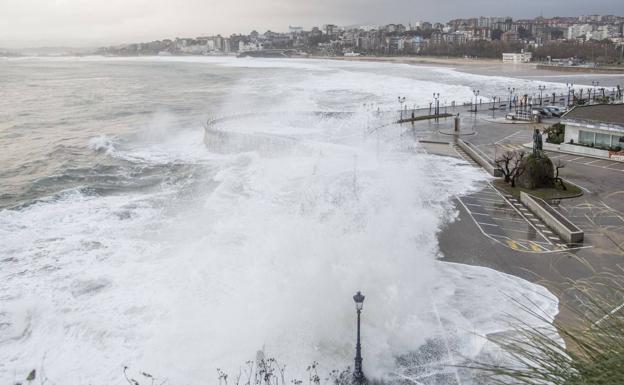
[264, 252]
[102, 144]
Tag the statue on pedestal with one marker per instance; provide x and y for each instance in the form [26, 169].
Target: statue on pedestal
[537, 143]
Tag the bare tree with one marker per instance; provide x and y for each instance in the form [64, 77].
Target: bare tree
[559, 164]
[518, 167]
[504, 164]
[512, 165]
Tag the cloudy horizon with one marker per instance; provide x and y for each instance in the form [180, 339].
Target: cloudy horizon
[89, 23]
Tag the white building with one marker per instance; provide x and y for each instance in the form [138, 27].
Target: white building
[513, 58]
[605, 32]
[249, 46]
[596, 130]
[578, 30]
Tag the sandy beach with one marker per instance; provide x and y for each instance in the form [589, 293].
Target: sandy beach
[491, 67]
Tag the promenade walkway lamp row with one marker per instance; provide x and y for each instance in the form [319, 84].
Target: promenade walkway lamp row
[436, 97]
[511, 92]
[570, 90]
[401, 101]
[476, 95]
[595, 84]
[541, 89]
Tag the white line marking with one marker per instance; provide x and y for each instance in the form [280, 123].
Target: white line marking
[485, 199]
[522, 216]
[508, 219]
[487, 224]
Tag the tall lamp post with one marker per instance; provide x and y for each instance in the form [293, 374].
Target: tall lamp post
[511, 92]
[541, 89]
[570, 89]
[476, 94]
[437, 104]
[493, 105]
[358, 375]
[401, 101]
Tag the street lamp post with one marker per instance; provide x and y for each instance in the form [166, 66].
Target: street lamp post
[493, 106]
[511, 91]
[541, 89]
[570, 89]
[358, 375]
[436, 96]
[476, 94]
[401, 101]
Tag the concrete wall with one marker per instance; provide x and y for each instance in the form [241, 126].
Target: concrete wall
[483, 162]
[583, 150]
[567, 230]
[571, 132]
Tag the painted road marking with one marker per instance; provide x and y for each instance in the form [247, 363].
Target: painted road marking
[516, 245]
[535, 247]
[515, 230]
[488, 224]
[487, 200]
[532, 240]
[508, 219]
[502, 208]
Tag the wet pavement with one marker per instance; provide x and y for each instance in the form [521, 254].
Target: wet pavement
[505, 220]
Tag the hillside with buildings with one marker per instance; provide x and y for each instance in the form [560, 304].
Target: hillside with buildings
[585, 39]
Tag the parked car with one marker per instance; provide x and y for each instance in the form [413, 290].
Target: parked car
[553, 112]
[541, 111]
[560, 110]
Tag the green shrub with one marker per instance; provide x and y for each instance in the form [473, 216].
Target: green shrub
[555, 133]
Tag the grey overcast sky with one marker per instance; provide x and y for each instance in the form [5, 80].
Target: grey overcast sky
[99, 22]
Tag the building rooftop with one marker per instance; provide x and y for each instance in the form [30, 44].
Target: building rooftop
[600, 113]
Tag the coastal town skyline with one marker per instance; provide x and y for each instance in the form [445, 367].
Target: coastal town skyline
[34, 23]
[482, 36]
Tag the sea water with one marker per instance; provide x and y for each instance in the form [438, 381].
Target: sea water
[126, 241]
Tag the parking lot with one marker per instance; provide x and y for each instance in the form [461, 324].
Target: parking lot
[506, 221]
[587, 161]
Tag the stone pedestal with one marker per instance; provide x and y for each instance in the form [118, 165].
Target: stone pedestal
[539, 172]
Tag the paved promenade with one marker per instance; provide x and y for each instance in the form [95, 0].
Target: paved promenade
[496, 231]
